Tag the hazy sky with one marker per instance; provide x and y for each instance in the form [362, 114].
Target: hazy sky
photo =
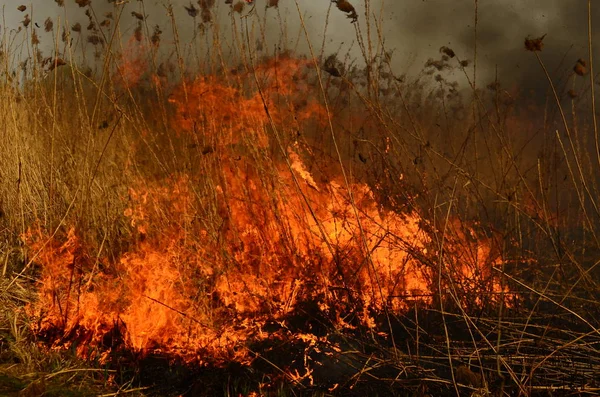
[415, 29]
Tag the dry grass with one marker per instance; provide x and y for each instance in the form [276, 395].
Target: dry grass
[196, 160]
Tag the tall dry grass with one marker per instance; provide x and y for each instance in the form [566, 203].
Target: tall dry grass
[82, 139]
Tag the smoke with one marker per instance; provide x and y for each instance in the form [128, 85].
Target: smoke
[412, 30]
[420, 28]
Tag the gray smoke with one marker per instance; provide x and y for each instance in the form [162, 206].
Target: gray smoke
[414, 30]
[422, 27]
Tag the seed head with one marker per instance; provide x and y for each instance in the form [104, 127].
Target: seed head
[345, 6]
[206, 3]
[35, 40]
[48, 24]
[191, 10]
[95, 39]
[155, 39]
[206, 15]
[447, 51]
[137, 15]
[580, 67]
[239, 7]
[534, 45]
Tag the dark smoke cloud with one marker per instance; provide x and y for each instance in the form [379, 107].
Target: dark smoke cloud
[414, 29]
[421, 28]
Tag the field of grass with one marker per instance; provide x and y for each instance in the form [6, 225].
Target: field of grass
[231, 217]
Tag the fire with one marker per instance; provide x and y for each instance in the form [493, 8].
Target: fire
[218, 254]
[223, 115]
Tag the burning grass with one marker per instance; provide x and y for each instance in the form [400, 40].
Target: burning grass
[262, 228]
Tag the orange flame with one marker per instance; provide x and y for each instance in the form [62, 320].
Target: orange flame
[212, 294]
[224, 115]
[217, 256]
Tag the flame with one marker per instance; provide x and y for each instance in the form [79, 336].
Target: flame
[215, 256]
[201, 295]
[223, 115]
